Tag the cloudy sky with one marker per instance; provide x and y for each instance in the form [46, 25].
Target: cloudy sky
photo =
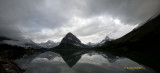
[89, 20]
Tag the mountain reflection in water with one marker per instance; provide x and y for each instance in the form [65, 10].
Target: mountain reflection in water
[78, 62]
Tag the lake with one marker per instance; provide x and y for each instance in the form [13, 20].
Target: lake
[83, 61]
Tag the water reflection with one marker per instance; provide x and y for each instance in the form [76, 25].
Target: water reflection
[78, 62]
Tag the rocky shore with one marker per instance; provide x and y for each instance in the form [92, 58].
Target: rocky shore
[8, 66]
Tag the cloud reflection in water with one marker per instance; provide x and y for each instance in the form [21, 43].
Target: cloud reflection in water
[90, 62]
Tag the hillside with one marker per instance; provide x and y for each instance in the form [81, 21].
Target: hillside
[141, 45]
[145, 38]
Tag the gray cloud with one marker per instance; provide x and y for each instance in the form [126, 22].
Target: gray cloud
[129, 11]
[41, 20]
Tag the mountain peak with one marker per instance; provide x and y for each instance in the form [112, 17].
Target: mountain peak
[50, 41]
[70, 39]
[105, 40]
[69, 34]
[48, 44]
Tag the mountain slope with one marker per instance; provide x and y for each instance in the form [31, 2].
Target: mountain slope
[23, 43]
[141, 45]
[104, 41]
[70, 41]
[144, 38]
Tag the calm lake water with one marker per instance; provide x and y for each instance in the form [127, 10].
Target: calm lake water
[79, 62]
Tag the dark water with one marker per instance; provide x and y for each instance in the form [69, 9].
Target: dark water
[79, 62]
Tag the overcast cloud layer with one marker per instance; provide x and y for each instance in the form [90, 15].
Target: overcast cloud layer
[89, 20]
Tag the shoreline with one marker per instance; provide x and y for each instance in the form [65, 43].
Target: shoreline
[8, 66]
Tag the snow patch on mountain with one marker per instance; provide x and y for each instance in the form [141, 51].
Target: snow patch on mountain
[48, 44]
[107, 39]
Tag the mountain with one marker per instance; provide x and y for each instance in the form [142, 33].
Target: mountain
[145, 38]
[141, 44]
[104, 41]
[48, 44]
[23, 43]
[71, 41]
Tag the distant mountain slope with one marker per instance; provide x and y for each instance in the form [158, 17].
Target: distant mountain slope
[23, 43]
[49, 44]
[70, 41]
[104, 41]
